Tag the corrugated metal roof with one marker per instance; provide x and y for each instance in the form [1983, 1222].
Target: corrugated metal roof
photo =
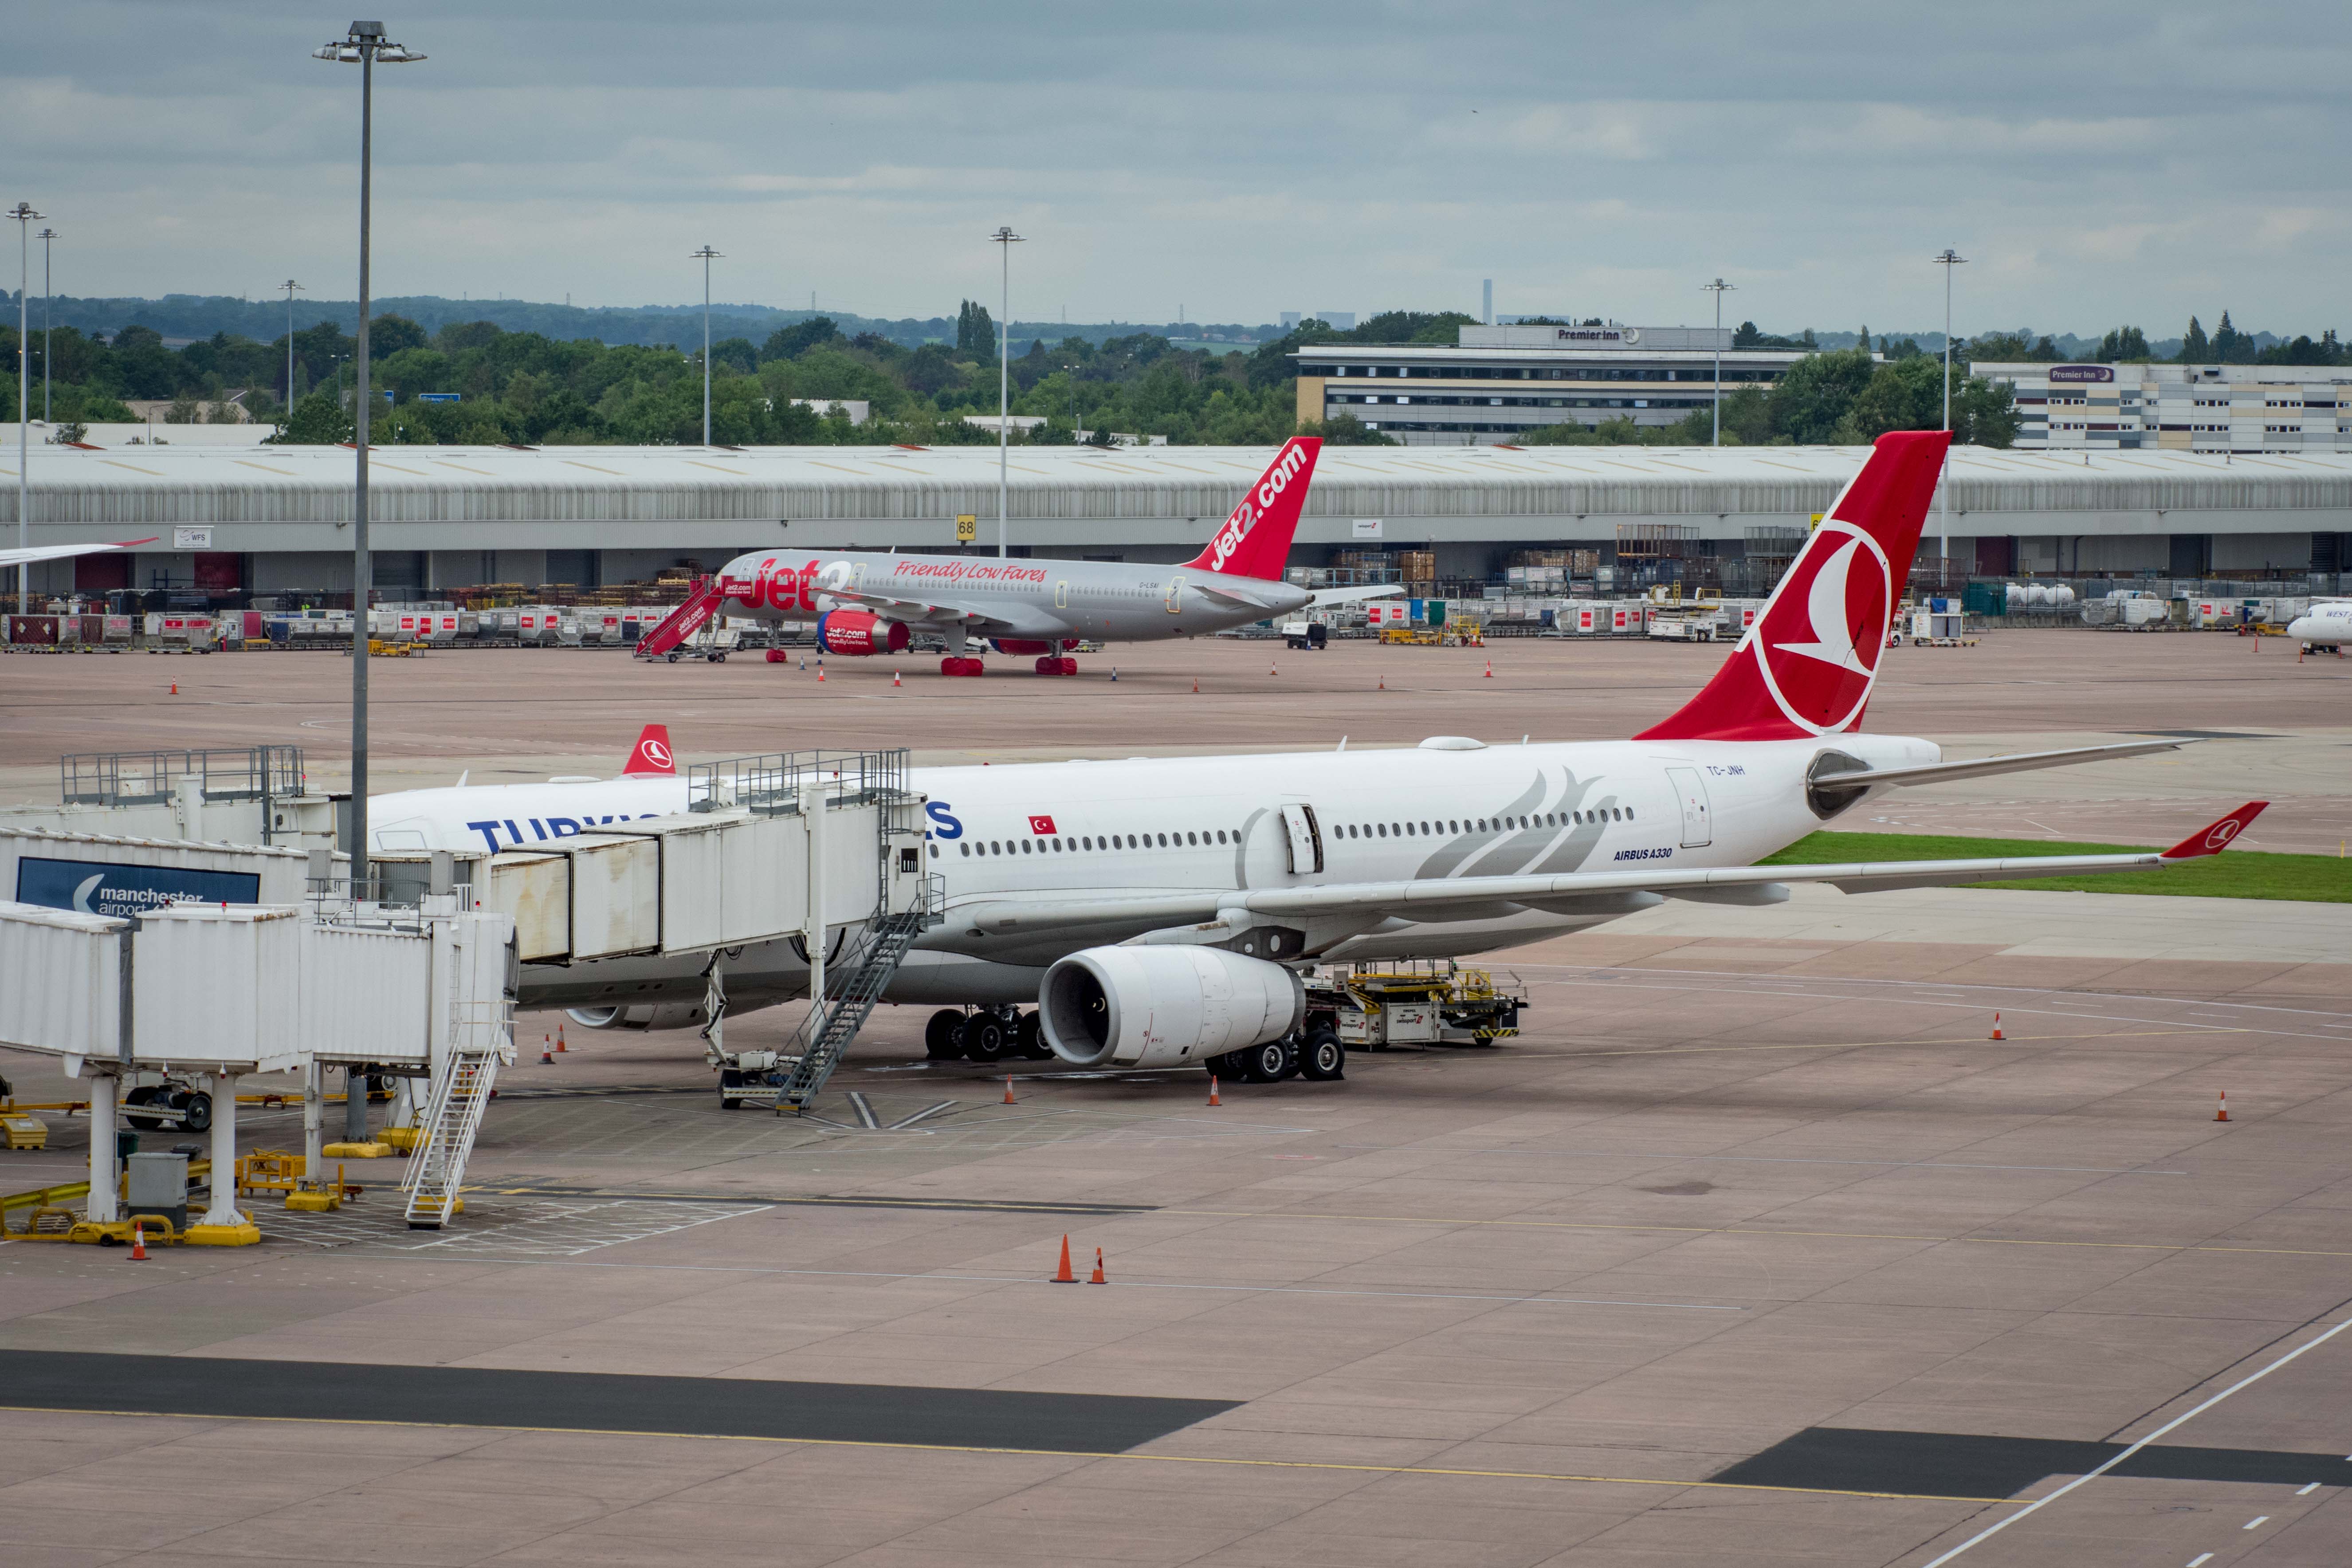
[137, 485]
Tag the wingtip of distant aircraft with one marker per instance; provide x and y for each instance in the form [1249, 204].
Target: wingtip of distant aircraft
[2216, 837]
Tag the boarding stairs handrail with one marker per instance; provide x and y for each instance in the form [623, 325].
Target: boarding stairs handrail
[825, 1035]
[685, 621]
[462, 1091]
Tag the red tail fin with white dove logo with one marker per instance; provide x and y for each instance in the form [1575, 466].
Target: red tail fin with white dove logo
[652, 756]
[1808, 665]
[1255, 539]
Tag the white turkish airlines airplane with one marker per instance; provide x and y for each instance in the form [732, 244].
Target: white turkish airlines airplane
[869, 602]
[480, 815]
[1149, 908]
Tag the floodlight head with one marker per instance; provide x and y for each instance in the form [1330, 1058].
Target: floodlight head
[22, 213]
[1005, 237]
[366, 40]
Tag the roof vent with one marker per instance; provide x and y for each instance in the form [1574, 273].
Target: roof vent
[1453, 743]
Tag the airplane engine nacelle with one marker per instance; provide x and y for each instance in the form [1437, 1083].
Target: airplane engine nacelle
[640, 1015]
[853, 634]
[1164, 1007]
[1033, 645]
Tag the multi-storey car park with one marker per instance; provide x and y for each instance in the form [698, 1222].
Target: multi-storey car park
[1498, 383]
[275, 520]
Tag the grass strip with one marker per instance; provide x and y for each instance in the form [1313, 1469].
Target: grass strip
[2236, 874]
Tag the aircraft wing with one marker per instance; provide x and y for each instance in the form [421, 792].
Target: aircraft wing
[995, 618]
[60, 552]
[1436, 898]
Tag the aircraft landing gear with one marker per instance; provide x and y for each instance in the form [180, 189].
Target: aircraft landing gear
[943, 1035]
[956, 665]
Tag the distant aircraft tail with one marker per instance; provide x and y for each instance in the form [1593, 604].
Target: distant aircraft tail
[1255, 539]
[652, 756]
[1807, 666]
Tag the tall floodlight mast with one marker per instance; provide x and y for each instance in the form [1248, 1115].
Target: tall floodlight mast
[1948, 260]
[26, 218]
[1719, 288]
[364, 45]
[1003, 236]
[706, 256]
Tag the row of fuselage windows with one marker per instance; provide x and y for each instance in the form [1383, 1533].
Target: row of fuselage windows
[1090, 844]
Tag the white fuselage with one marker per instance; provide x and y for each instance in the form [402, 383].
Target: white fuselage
[1052, 834]
[2324, 623]
[990, 596]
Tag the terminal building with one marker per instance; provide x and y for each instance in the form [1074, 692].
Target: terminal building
[2248, 409]
[1498, 383]
[275, 521]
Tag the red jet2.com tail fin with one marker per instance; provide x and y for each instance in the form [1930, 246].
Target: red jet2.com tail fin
[1255, 540]
[1807, 666]
[652, 755]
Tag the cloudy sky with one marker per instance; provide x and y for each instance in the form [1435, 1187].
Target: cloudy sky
[2098, 163]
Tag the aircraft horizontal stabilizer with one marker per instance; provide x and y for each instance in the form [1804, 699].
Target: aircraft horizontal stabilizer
[1985, 767]
[1343, 596]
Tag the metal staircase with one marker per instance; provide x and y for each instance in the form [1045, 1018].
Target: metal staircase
[461, 1093]
[824, 1036]
[685, 621]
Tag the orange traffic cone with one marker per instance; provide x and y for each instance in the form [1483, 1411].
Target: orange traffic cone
[1273, 669]
[560, 1046]
[547, 1059]
[138, 1242]
[175, 688]
[1099, 1278]
[2224, 1113]
[820, 672]
[1063, 1275]
[1996, 1029]
[1008, 1092]
[1213, 1090]
[1490, 670]
[894, 680]
[1384, 683]
[1196, 686]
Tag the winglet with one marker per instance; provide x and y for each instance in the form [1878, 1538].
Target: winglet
[2214, 839]
[652, 755]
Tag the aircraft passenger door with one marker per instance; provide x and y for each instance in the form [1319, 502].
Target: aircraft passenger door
[1062, 595]
[1690, 793]
[1175, 595]
[1303, 837]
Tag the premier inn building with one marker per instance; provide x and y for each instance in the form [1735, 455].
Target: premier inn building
[1498, 383]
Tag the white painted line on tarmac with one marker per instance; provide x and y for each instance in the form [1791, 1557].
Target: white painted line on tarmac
[2200, 1560]
[2180, 1420]
[2309, 1488]
[2259, 1518]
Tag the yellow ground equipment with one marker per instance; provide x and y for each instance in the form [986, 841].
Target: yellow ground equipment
[1430, 1002]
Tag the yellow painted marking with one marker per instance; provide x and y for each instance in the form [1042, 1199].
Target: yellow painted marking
[593, 468]
[134, 467]
[836, 467]
[1034, 1453]
[731, 473]
[462, 468]
[263, 466]
[376, 462]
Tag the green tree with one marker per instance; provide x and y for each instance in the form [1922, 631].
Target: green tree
[2229, 345]
[1818, 392]
[2123, 344]
[975, 331]
[2194, 349]
[319, 420]
[791, 342]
